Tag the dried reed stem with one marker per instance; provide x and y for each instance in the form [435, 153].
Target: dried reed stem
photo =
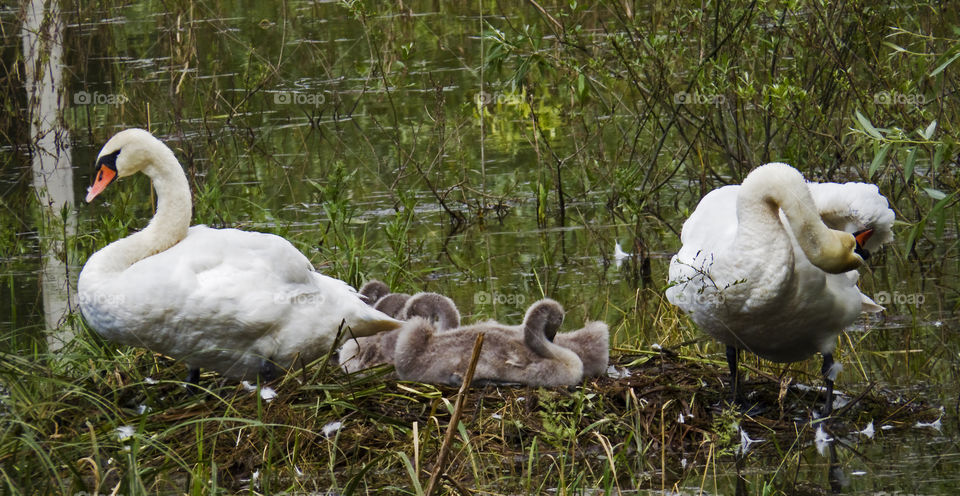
[455, 419]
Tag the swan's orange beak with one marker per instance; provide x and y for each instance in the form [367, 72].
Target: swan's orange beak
[862, 237]
[105, 175]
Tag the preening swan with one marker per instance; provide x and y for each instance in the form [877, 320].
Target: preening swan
[510, 354]
[365, 352]
[769, 266]
[240, 303]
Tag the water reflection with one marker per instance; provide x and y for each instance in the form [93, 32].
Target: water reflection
[42, 35]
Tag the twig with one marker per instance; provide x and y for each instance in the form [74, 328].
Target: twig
[455, 419]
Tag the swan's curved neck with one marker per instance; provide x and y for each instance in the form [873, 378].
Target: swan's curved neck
[171, 220]
[775, 187]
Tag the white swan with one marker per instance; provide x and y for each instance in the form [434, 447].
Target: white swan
[770, 266]
[240, 303]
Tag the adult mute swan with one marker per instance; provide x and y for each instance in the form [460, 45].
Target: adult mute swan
[769, 266]
[240, 303]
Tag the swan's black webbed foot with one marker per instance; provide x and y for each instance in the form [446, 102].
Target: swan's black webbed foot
[829, 371]
[738, 399]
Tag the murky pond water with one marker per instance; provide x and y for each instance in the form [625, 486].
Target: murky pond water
[462, 149]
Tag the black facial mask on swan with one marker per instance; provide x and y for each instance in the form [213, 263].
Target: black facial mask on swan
[862, 236]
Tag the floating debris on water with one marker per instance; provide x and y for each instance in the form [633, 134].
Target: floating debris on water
[822, 440]
[746, 441]
[619, 255]
[935, 425]
[868, 430]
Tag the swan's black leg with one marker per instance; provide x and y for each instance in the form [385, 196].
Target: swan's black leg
[193, 380]
[268, 371]
[732, 357]
[825, 370]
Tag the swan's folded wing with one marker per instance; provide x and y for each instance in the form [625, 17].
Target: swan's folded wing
[253, 291]
[854, 206]
[710, 228]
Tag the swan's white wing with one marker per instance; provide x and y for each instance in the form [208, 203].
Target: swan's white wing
[710, 229]
[851, 207]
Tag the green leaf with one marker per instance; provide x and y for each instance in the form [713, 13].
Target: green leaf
[412, 473]
[940, 222]
[938, 155]
[878, 160]
[867, 126]
[936, 194]
[940, 216]
[928, 132]
[944, 65]
[914, 233]
[908, 165]
[895, 47]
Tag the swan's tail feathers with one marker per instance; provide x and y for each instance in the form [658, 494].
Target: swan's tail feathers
[369, 325]
[853, 207]
[868, 305]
